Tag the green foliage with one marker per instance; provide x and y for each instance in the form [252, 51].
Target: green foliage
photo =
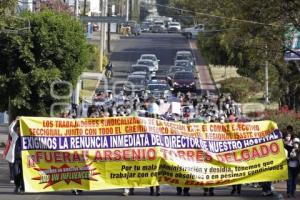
[54, 49]
[94, 57]
[240, 88]
[7, 6]
[283, 119]
[247, 43]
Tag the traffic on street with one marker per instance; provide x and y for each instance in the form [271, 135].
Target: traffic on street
[149, 99]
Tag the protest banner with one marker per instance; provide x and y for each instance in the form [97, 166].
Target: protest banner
[125, 152]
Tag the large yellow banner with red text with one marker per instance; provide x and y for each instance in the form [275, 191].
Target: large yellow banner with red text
[125, 152]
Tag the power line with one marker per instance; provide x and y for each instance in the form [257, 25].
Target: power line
[216, 16]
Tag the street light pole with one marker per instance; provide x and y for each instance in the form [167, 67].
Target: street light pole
[267, 77]
[76, 8]
[109, 13]
[101, 48]
[127, 10]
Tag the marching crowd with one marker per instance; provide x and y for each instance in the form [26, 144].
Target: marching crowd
[183, 107]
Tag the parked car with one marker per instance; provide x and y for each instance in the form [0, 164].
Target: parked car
[192, 32]
[152, 66]
[143, 73]
[172, 71]
[158, 89]
[150, 57]
[174, 27]
[184, 63]
[185, 55]
[136, 30]
[135, 85]
[145, 27]
[142, 68]
[158, 27]
[184, 82]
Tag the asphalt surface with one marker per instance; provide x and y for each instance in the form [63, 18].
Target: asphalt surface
[128, 50]
[125, 53]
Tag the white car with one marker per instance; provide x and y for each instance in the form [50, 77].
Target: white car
[193, 31]
[174, 27]
[150, 57]
[153, 67]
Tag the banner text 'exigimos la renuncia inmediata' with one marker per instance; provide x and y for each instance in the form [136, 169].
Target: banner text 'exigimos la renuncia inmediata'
[124, 152]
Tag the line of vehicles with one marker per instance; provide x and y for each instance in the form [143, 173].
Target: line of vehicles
[163, 25]
[160, 26]
[143, 82]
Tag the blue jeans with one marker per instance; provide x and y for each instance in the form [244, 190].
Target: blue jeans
[266, 186]
[292, 181]
[18, 174]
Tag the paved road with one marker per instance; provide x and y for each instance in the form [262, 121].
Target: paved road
[126, 52]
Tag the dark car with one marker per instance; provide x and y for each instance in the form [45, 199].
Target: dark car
[136, 84]
[158, 89]
[184, 81]
[172, 71]
[136, 29]
[145, 27]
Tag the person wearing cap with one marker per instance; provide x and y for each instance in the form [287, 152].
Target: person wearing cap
[293, 166]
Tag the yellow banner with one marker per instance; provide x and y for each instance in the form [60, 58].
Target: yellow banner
[125, 152]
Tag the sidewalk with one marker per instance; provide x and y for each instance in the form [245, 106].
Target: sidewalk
[205, 78]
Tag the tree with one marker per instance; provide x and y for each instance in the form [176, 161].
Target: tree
[247, 34]
[7, 6]
[54, 48]
[57, 5]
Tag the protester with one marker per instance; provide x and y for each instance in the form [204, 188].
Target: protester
[236, 189]
[186, 191]
[210, 191]
[14, 156]
[293, 167]
[267, 188]
[197, 109]
[157, 190]
[128, 191]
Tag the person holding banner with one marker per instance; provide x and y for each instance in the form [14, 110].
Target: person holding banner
[157, 190]
[236, 188]
[210, 191]
[293, 166]
[186, 191]
[128, 191]
[14, 156]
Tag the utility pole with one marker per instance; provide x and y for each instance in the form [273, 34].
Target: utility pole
[103, 7]
[84, 8]
[267, 77]
[109, 13]
[101, 48]
[76, 8]
[127, 10]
